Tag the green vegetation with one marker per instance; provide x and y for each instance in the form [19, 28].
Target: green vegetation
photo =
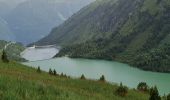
[54, 72]
[122, 90]
[143, 87]
[154, 94]
[128, 31]
[50, 71]
[168, 97]
[102, 78]
[19, 82]
[4, 57]
[39, 70]
[82, 77]
[13, 50]
[2, 44]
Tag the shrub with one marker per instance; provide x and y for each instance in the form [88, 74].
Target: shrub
[39, 70]
[168, 97]
[54, 72]
[62, 75]
[122, 90]
[50, 71]
[65, 75]
[82, 77]
[154, 94]
[102, 78]
[142, 86]
[4, 57]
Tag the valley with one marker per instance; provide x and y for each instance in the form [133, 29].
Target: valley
[114, 72]
[127, 31]
[84, 49]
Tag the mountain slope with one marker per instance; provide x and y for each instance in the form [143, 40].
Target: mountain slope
[6, 6]
[20, 82]
[136, 32]
[100, 19]
[33, 19]
[5, 33]
[13, 50]
[77, 25]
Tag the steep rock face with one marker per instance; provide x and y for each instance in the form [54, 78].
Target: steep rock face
[136, 32]
[33, 19]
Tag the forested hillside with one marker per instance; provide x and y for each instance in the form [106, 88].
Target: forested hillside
[136, 32]
[13, 50]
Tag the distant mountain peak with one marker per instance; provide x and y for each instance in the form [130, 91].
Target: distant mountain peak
[35, 18]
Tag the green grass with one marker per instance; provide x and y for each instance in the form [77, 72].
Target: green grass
[151, 6]
[19, 82]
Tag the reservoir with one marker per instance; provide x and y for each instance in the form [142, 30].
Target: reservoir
[34, 54]
[114, 72]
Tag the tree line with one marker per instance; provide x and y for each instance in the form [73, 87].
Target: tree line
[121, 90]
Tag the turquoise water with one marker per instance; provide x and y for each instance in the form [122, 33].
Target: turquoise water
[113, 72]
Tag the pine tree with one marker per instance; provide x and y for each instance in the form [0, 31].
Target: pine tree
[142, 86]
[62, 75]
[54, 72]
[65, 76]
[154, 94]
[39, 70]
[168, 97]
[50, 71]
[82, 77]
[102, 78]
[4, 57]
[122, 90]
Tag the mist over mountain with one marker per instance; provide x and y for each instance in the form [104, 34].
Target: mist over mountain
[33, 19]
[5, 32]
[6, 6]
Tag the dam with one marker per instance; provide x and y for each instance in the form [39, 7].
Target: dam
[36, 53]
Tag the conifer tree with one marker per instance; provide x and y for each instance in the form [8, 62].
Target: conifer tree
[50, 71]
[142, 86]
[4, 57]
[154, 94]
[54, 72]
[122, 90]
[102, 78]
[168, 97]
[39, 70]
[82, 77]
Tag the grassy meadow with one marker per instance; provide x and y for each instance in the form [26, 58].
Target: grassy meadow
[19, 82]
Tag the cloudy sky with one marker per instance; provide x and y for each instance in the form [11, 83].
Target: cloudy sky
[11, 3]
[12, 0]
